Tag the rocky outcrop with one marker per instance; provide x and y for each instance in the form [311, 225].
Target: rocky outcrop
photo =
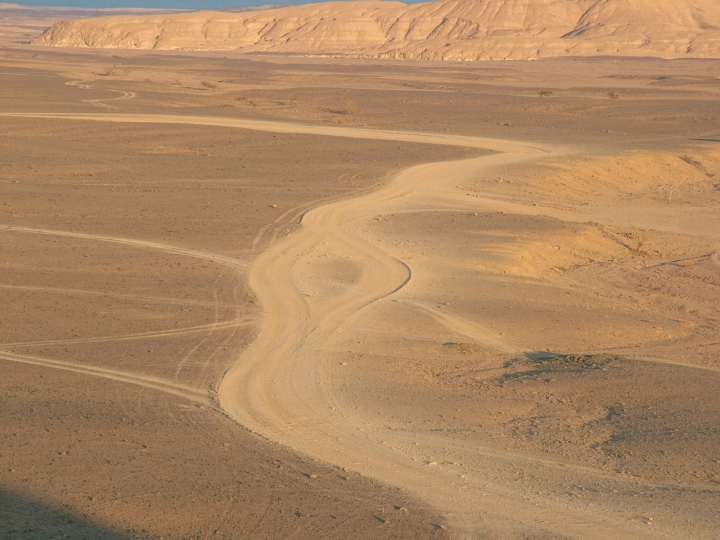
[441, 30]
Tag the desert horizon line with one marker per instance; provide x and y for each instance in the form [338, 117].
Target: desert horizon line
[179, 5]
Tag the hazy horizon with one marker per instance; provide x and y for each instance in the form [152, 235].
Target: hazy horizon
[166, 4]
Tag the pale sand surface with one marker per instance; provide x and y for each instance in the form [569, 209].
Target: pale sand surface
[525, 340]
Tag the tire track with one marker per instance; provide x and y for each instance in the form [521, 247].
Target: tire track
[143, 298]
[152, 383]
[467, 328]
[212, 327]
[83, 83]
[155, 246]
[285, 127]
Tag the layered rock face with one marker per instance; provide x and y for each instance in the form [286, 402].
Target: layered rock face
[441, 30]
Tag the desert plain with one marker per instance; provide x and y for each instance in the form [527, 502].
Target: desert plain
[282, 296]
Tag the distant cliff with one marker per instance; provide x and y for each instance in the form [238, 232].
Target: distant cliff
[441, 30]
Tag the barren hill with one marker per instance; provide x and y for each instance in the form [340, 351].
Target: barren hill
[441, 30]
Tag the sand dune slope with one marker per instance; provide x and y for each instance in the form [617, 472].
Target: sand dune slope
[441, 30]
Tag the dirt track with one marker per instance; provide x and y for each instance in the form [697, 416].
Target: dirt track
[279, 387]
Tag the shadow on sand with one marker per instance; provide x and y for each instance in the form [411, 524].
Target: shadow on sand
[26, 519]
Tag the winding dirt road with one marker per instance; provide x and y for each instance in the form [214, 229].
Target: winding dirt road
[279, 388]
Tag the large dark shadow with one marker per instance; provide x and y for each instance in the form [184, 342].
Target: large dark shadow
[22, 518]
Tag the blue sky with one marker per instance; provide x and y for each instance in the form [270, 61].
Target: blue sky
[167, 4]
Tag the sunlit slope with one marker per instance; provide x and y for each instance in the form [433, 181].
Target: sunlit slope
[446, 29]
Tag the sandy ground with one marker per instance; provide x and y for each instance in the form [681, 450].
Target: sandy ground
[512, 316]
